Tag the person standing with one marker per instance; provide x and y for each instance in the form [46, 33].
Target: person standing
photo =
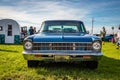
[31, 30]
[118, 37]
[34, 30]
[103, 33]
[113, 35]
[112, 31]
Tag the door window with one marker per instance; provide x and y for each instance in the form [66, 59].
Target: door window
[1, 28]
[9, 30]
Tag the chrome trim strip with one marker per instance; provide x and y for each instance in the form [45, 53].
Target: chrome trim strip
[62, 51]
[87, 53]
[62, 42]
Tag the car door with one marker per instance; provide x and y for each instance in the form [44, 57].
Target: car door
[9, 37]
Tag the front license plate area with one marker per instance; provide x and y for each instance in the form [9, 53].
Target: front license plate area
[61, 58]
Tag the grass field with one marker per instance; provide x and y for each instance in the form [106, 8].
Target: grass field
[14, 67]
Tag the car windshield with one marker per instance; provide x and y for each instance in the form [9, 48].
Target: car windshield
[62, 26]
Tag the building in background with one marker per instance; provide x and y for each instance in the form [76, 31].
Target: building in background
[9, 31]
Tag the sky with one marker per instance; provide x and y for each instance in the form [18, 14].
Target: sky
[33, 12]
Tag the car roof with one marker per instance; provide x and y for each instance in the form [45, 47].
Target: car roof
[63, 21]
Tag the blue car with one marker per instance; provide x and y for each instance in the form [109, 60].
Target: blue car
[62, 41]
[108, 37]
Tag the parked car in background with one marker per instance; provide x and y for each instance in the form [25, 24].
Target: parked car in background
[62, 41]
[108, 37]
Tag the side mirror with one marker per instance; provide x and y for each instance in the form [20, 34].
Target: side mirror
[88, 32]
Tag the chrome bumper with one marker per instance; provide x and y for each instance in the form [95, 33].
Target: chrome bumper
[62, 56]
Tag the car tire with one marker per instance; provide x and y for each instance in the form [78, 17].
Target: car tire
[32, 63]
[92, 64]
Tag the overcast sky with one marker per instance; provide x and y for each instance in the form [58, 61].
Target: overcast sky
[33, 12]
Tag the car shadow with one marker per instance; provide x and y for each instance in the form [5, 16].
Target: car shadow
[106, 65]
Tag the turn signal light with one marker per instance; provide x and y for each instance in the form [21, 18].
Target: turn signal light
[37, 56]
[86, 57]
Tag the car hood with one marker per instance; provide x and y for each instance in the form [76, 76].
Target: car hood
[63, 38]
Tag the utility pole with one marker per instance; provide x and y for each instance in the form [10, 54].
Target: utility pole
[92, 25]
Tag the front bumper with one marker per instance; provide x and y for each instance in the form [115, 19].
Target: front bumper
[62, 57]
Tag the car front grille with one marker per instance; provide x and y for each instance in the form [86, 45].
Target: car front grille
[62, 46]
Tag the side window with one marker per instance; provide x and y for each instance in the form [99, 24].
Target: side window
[1, 28]
[9, 30]
[82, 28]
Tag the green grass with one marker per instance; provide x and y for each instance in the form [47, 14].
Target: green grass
[14, 67]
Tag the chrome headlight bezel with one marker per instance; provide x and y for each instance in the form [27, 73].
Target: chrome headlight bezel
[28, 45]
[96, 45]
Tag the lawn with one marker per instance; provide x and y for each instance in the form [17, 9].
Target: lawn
[14, 67]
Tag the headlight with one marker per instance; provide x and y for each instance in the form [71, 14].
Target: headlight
[28, 45]
[96, 45]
